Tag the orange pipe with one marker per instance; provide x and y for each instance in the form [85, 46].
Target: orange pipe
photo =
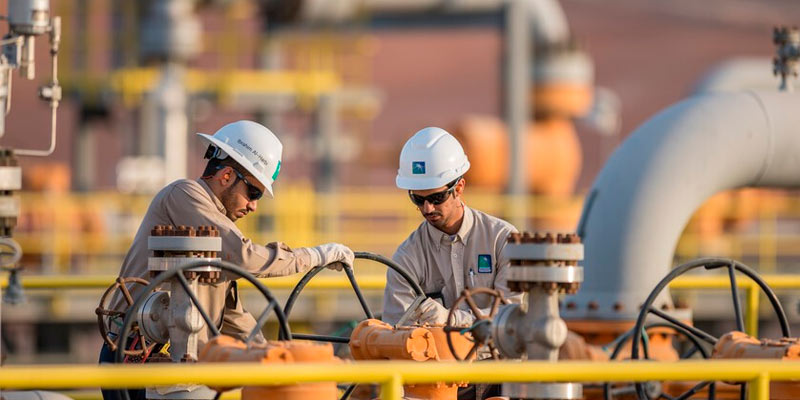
[227, 349]
[377, 340]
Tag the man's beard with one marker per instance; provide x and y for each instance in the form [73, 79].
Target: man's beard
[226, 197]
[437, 223]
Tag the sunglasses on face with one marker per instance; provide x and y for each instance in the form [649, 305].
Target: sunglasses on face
[433, 198]
[253, 192]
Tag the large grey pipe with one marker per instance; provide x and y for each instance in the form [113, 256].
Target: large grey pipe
[737, 74]
[650, 187]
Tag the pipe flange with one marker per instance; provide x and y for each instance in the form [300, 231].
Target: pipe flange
[153, 317]
[545, 251]
[184, 243]
[543, 274]
[549, 391]
[169, 263]
[10, 178]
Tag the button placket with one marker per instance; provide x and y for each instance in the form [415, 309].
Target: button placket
[455, 264]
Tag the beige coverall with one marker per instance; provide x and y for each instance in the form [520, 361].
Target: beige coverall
[192, 203]
[472, 258]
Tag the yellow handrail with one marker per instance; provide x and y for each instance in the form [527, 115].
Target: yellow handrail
[751, 291]
[365, 282]
[377, 282]
[393, 374]
[93, 231]
[374, 281]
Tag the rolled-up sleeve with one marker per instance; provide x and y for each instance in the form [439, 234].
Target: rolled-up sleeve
[189, 205]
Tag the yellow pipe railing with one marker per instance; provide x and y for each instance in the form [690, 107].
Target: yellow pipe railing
[750, 287]
[393, 374]
[327, 282]
[377, 282]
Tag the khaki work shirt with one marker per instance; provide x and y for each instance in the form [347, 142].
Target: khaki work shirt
[442, 264]
[192, 203]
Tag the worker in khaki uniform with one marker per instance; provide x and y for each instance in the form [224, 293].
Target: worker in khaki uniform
[244, 160]
[455, 248]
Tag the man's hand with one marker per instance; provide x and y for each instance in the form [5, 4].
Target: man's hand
[334, 253]
[431, 312]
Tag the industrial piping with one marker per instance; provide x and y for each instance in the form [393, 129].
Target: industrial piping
[647, 191]
[738, 74]
[548, 21]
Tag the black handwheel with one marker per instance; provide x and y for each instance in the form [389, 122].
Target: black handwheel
[609, 392]
[178, 273]
[287, 309]
[709, 264]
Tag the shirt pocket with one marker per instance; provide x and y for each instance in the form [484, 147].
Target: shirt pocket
[484, 280]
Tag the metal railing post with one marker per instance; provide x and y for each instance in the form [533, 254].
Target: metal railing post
[392, 389]
[751, 323]
[758, 389]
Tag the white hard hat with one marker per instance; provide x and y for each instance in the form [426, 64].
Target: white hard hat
[432, 158]
[251, 145]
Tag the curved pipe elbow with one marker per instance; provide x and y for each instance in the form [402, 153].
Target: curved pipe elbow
[651, 185]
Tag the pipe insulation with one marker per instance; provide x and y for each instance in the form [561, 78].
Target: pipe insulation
[652, 184]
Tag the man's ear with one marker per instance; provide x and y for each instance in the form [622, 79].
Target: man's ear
[460, 186]
[224, 176]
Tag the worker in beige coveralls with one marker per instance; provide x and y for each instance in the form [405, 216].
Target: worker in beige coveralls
[456, 247]
[244, 159]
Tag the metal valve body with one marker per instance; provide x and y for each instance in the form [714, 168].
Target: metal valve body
[543, 265]
[170, 315]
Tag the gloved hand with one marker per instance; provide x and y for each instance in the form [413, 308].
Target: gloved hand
[336, 266]
[332, 255]
[434, 313]
[431, 312]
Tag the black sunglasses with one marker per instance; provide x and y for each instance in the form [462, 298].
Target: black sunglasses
[433, 198]
[253, 192]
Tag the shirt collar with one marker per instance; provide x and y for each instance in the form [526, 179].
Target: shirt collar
[438, 237]
[213, 196]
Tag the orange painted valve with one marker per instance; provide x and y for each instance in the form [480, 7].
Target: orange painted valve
[376, 340]
[227, 349]
[739, 345]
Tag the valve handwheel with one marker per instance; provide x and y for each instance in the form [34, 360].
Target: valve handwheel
[106, 316]
[481, 328]
[179, 274]
[287, 309]
[709, 264]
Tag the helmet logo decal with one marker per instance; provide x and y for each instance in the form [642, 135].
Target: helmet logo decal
[418, 167]
[277, 171]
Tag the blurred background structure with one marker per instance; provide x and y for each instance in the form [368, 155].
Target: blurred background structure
[344, 84]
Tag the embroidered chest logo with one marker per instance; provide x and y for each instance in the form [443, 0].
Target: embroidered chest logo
[418, 167]
[484, 263]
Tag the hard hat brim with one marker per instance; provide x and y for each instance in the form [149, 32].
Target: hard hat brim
[241, 159]
[424, 183]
